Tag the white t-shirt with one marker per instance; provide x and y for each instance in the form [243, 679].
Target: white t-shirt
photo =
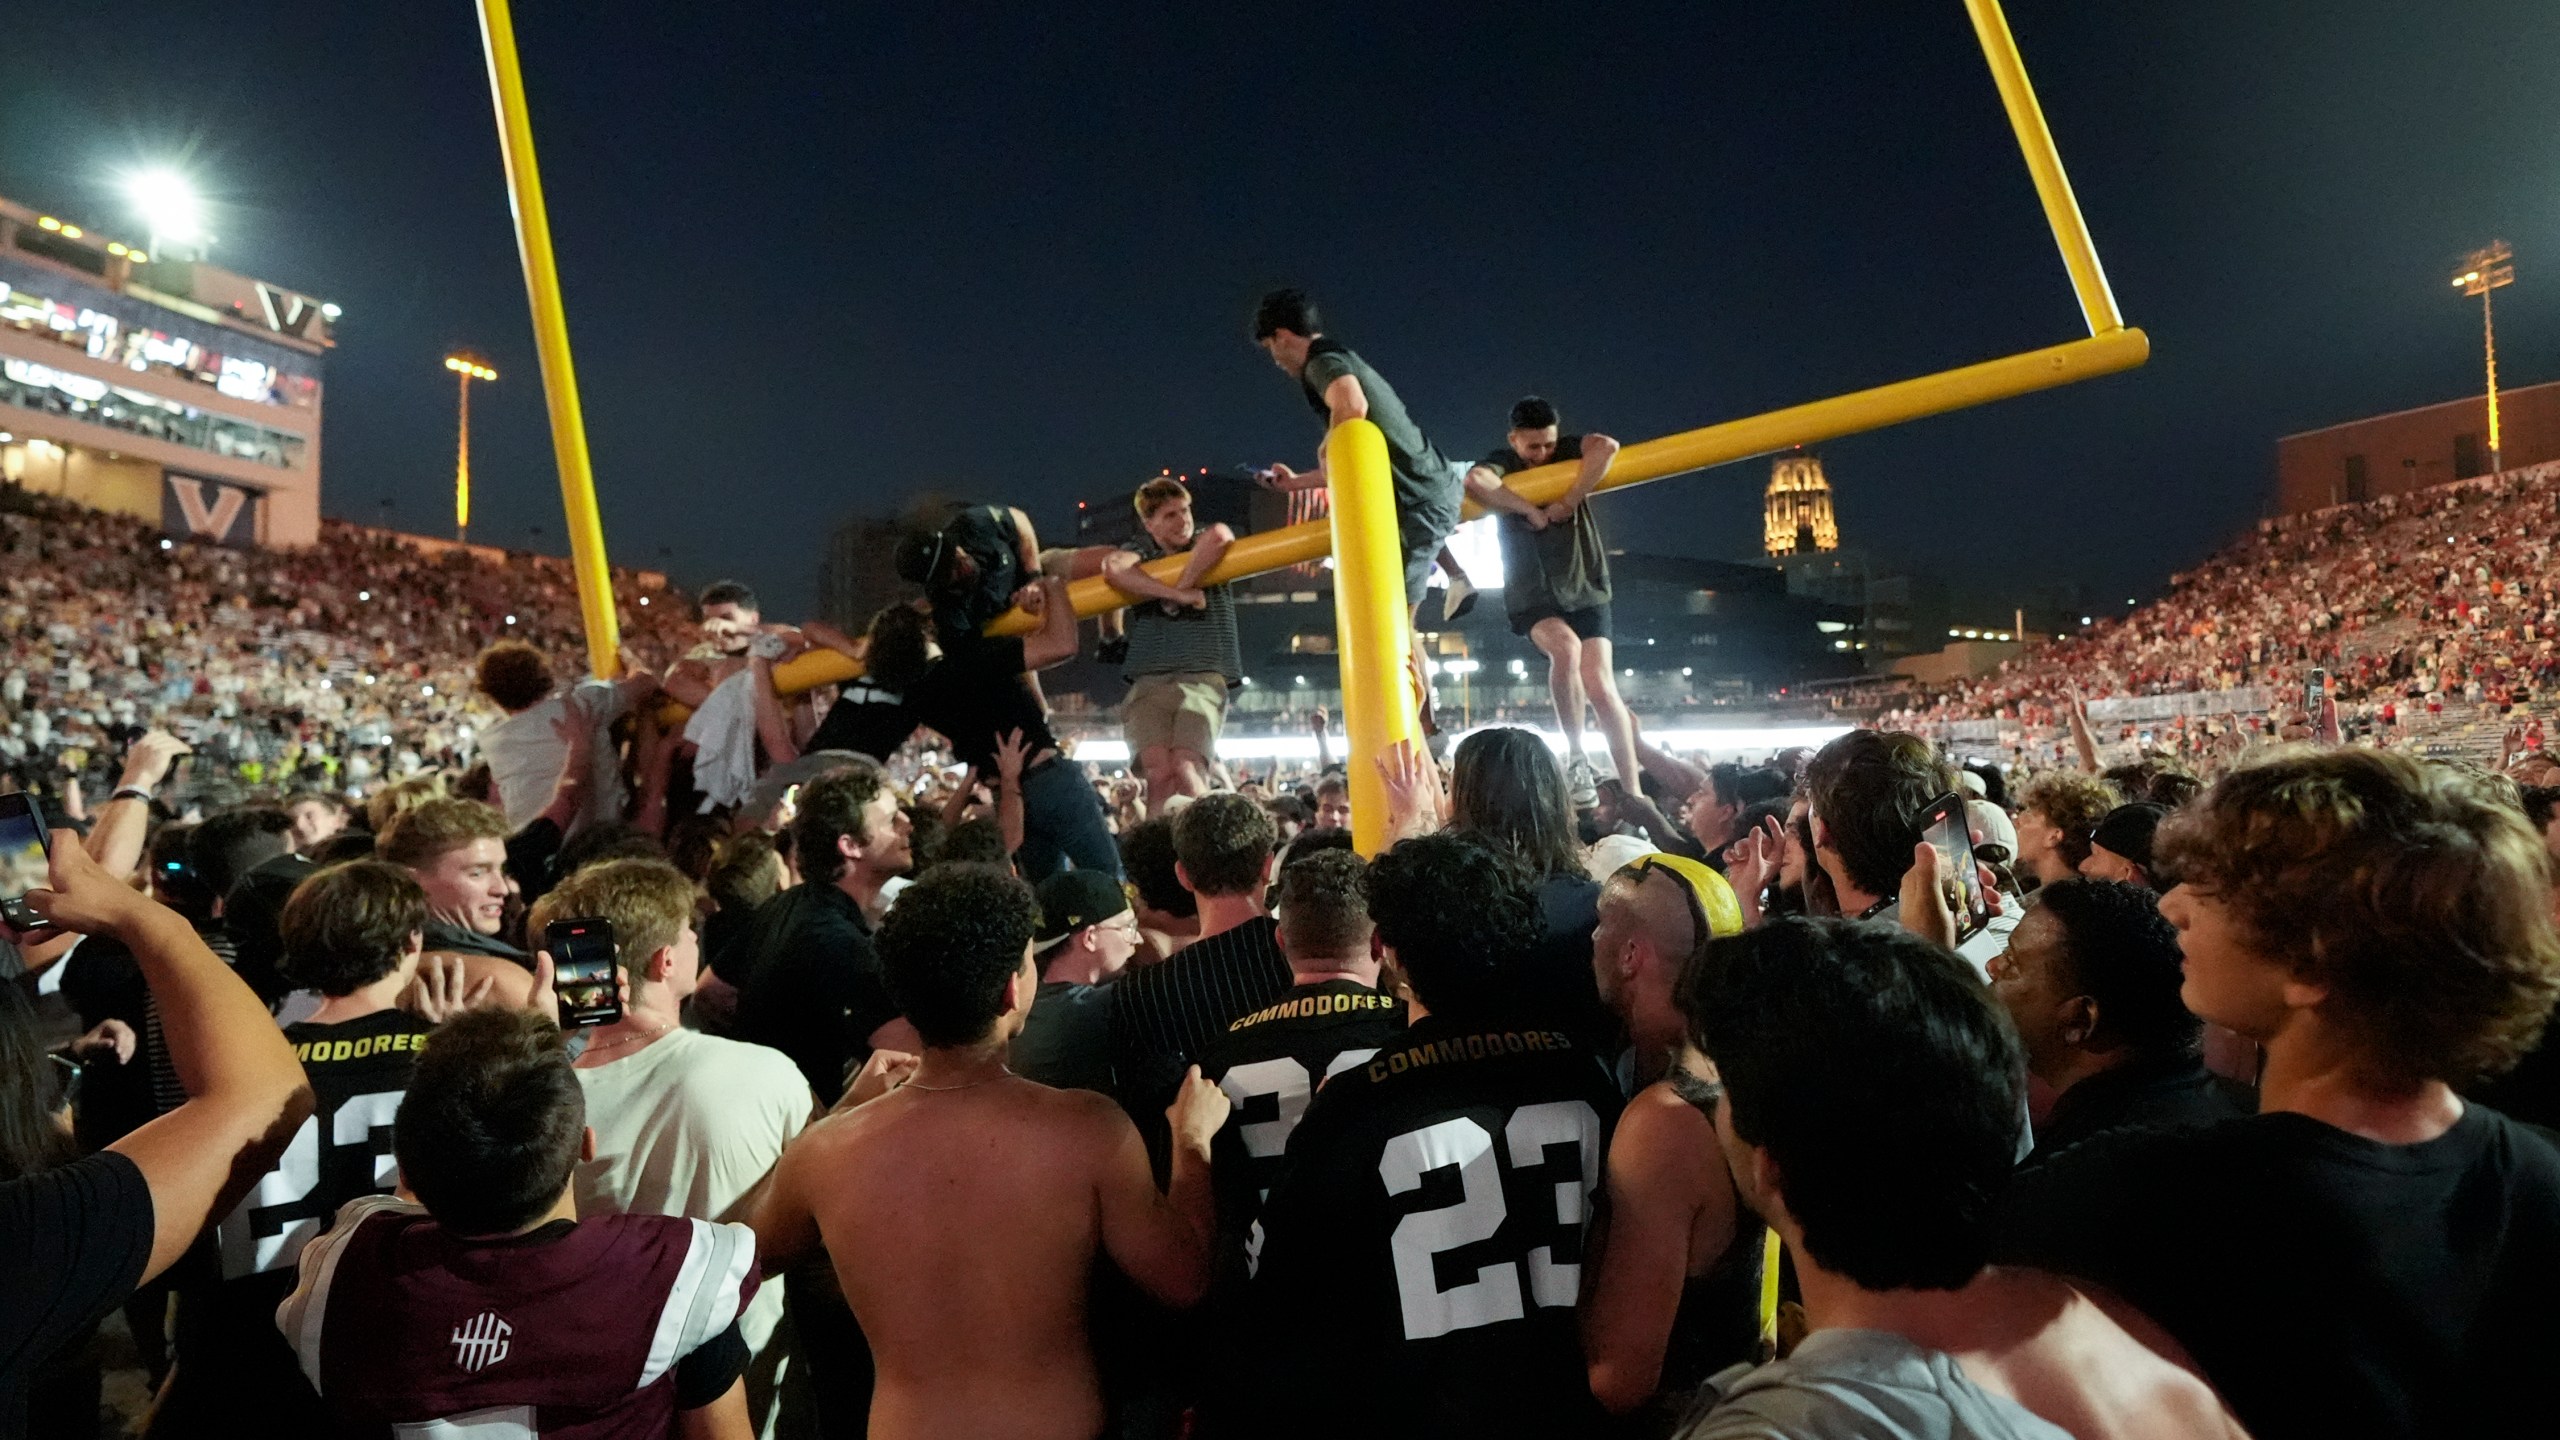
[687, 1125]
[525, 756]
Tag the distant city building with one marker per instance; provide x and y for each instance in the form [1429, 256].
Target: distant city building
[1799, 505]
[2406, 450]
[159, 387]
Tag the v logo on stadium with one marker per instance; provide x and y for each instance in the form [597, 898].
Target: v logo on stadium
[481, 1341]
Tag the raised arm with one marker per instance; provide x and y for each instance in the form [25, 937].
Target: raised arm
[124, 823]
[1161, 1239]
[245, 1092]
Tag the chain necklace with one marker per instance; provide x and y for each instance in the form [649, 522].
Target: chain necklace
[1002, 1072]
[633, 1039]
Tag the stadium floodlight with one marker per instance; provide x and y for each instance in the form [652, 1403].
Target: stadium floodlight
[170, 208]
[466, 367]
[2483, 271]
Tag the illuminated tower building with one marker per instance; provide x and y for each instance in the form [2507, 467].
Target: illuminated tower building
[1800, 507]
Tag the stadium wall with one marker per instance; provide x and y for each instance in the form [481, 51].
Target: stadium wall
[2412, 449]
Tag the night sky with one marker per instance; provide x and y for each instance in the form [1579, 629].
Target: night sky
[821, 257]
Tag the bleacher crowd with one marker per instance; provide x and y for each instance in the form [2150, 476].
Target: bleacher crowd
[1616, 1095]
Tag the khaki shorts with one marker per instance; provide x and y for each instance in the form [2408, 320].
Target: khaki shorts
[1182, 710]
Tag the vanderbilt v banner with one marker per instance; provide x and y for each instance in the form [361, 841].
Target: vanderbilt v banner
[202, 509]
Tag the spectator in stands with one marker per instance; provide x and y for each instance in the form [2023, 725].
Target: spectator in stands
[1087, 934]
[76, 1239]
[2091, 980]
[526, 752]
[2383, 928]
[1163, 1016]
[351, 937]
[1168, 915]
[807, 974]
[1870, 791]
[1479, 1079]
[2057, 813]
[963, 1211]
[1675, 1279]
[973, 695]
[1871, 1095]
[1182, 646]
[493, 1295]
[1505, 788]
[1555, 569]
[685, 1124]
[2120, 848]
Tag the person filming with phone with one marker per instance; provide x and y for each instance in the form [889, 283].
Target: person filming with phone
[1874, 793]
[77, 1239]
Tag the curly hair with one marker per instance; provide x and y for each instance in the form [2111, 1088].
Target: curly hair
[2073, 803]
[897, 658]
[949, 945]
[514, 675]
[831, 807]
[2407, 889]
[347, 926]
[1223, 842]
[1462, 917]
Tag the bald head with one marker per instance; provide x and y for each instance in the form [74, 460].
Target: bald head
[1654, 911]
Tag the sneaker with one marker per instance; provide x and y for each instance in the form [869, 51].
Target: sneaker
[1581, 786]
[1460, 599]
[1113, 651]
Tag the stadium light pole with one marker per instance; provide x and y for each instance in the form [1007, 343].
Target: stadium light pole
[2483, 271]
[171, 211]
[466, 368]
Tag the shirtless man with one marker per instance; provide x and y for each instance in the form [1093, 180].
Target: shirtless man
[963, 1211]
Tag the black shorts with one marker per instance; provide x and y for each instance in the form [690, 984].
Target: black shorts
[1590, 624]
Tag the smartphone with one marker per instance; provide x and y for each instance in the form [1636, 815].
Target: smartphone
[1947, 829]
[2314, 691]
[26, 861]
[584, 971]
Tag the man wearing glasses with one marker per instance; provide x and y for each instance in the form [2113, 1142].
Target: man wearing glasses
[1087, 934]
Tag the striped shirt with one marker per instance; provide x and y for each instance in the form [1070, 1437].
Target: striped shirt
[1186, 641]
[1164, 1016]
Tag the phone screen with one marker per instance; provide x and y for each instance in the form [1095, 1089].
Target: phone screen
[583, 971]
[2314, 690]
[1948, 832]
[24, 863]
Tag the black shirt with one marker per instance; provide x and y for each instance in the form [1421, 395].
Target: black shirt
[865, 720]
[809, 983]
[232, 1361]
[975, 693]
[1430, 1226]
[1164, 1016]
[73, 1244]
[2172, 1092]
[988, 536]
[1564, 566]
[2327, 1284]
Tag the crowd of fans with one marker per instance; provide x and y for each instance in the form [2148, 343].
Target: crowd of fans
[938, 1086]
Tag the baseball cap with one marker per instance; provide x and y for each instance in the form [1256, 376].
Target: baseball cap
[2128, 829]
[922, 559]
[1072, 899]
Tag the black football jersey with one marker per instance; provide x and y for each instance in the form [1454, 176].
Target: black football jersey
[1430, 1222]
[232, 1363]
[1271, 1062]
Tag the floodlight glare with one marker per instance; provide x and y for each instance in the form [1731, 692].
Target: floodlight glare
[168, 204]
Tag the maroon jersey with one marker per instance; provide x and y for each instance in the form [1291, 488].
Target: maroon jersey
[572, 1332]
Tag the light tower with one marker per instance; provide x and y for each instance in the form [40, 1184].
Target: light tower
[467, 367]
[2483, 271]
[1799, 502]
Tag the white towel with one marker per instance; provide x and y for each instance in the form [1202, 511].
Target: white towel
[723, 732]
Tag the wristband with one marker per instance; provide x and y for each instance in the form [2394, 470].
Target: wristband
[130, 792]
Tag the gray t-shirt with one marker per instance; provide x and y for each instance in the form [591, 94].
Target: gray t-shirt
[1858, 1385]
[1066, 1039]
[1182, 641]
[1427, 486]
